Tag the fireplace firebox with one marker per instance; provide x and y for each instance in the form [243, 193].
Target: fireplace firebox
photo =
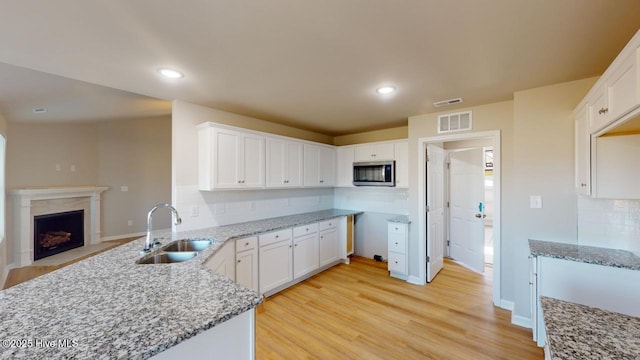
[55, 233]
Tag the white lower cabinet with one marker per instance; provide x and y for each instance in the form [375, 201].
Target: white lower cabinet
[223, 261]
[397, 250]
[305, 254]
[247, 262]
[275, 258]
[328, 242]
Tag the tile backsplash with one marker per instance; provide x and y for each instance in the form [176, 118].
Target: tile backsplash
[609, 223]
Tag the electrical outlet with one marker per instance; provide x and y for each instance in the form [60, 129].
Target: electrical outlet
[195, 211]
[124, 188]
[58, 167]
[72, 168]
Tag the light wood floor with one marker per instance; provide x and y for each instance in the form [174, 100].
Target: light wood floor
[358, 312]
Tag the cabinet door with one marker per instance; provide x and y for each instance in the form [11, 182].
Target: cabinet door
[364, 152]
[624, 87]
[401, 150]
[327, 164]
[384, 151]
[305, 255]
[328, 246]
[252, 161]
[598, 111]
[247, 269]
[293, 164]
[345, 157]
[227, 160]
[311, 172]
[275, 155]
[582, 153]
[275, 264]
[222, 262]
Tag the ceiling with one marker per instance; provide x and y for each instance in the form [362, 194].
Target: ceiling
[310, 64]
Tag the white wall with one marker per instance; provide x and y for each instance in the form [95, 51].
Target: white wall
[226, 207]
[378, 204]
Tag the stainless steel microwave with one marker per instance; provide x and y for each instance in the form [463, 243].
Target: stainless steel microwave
[375, 173]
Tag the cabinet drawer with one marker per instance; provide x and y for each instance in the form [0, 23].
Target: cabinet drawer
[397, 243]
[274, 237]
[328, 224]
[397, 228]
[246, 244]
[397, 263]
[305, 229]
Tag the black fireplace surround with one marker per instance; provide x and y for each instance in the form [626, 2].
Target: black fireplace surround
[55, 233]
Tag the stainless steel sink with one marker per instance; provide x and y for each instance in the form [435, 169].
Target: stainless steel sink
[187, 245]
[168, 257]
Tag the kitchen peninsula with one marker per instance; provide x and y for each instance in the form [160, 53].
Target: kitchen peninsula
[108, 306]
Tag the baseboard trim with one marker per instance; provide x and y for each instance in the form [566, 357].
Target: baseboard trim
[518, 320]
[506, 304]
[123, 236]
[5, 274]
[415, 280]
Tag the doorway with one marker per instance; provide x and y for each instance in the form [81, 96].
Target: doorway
[433, 242]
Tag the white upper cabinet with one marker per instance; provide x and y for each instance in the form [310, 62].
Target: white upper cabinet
[401, 150]
[229, 159]
[582, 152]
[284, 163]
[617, 92]
[374, 152]
[345, 158]
[319, 166]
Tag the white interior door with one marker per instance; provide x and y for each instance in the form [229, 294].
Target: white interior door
[467, 208]
[435, 210]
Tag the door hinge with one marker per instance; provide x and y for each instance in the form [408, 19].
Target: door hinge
[427, 156]
[447, 204]
[428, 209]
[448, 242]
[428, 259]
[448, 165]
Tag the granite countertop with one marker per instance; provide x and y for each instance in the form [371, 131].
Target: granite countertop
[108, 306]
[400, 219]
[587, 254]
[577, 331]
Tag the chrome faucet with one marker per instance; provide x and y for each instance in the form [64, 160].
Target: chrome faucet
[149, 243]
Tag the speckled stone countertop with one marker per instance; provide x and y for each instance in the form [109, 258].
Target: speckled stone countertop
[587, 254]
[577, 331]
[109, 307]
[400, 219]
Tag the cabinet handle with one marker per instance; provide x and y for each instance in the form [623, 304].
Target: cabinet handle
[246, 244]
[603, 111]
[239, 260]
[277, 236]
[396, 261]
[239, 182]
[307, 229]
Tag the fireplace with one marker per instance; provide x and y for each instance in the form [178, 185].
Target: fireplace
[56, 233]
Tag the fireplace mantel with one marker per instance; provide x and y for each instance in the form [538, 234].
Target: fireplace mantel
[28, 202]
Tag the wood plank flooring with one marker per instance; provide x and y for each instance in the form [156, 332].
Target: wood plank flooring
[358, 312]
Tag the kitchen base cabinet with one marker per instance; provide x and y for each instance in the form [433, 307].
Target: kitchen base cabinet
[233, 339]
[328, 242]
[223, 261]
[397, 250]
[247, 262]
[275, 258]
[305, 254]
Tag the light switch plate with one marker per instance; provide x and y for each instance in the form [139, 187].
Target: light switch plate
[536, 201]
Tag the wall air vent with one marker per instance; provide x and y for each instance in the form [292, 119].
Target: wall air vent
[453, 122]
[447, 102]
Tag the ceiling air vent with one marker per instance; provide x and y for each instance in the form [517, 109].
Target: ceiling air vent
[460, 121]
[447, 102]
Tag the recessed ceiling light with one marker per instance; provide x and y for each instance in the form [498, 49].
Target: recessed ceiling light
[170, 73]
[385, 90]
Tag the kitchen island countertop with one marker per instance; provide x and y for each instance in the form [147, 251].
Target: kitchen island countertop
[587, 254]
[107, 306]
[577, 331]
